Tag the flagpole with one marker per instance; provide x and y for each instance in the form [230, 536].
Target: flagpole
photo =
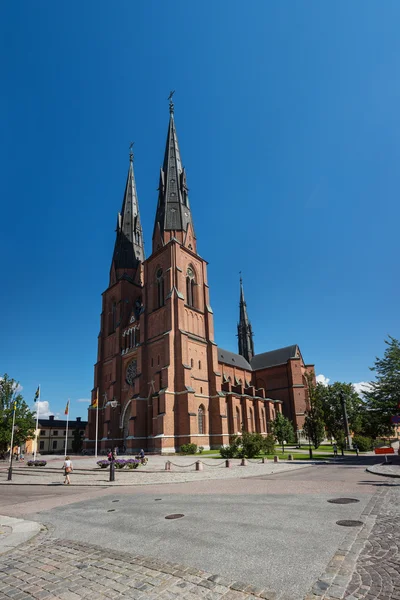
[66, 431]
[37, 425]
[12, 444]
[97, 424]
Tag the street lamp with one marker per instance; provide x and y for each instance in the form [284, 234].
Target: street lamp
[14, 429]
[113, 404]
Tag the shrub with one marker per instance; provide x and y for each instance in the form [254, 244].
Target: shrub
[251, 444]
[37, 463]
[188, 449]
[363, 443]
[103, 463]
[119, 463]
[231, 451]
[132, 463]
[268, 444]
[201, 448]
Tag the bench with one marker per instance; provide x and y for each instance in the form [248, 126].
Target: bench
[384, 450]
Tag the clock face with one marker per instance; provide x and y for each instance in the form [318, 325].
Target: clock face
[131, 372]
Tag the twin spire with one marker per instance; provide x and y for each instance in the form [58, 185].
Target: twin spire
[129, 245]
[245, 332]
[173, 216]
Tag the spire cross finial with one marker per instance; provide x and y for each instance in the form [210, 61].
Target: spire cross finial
[240, 273]
[131, 151]
[171, 104]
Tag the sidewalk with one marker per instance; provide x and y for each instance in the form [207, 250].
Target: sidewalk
[54, 569]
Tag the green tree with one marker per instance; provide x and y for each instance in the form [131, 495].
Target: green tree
[77, 441]
[383, 399]
[314, 425]
[330, 398]
[24, 418]
[282, 429]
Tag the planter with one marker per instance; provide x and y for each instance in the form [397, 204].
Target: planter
[37, 463]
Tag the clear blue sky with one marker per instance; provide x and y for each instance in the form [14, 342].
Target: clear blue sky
[288, 121]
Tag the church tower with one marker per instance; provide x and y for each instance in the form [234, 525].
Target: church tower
[245, 332]
[121, 305]
[181, 355]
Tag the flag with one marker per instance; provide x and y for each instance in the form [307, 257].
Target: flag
[37, 394]
[15, 406]
[96, 400]
[67, 408]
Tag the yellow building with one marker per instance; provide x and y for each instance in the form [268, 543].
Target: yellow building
[51, 436]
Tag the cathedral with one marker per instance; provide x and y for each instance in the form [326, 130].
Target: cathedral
[160, 379]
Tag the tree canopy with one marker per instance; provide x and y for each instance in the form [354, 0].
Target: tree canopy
[282, 429]
[24, 418]
[329, 398]
[383, 399]
[314, 426]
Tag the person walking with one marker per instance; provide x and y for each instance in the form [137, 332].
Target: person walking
[334, 446]
[68, 468]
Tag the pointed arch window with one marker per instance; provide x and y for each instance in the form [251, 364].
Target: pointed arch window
[190, 288]
[238, 425]
[200, 419]
[160, 288]
[252, 426]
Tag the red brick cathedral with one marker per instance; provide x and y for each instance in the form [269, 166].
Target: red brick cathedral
[160, 378]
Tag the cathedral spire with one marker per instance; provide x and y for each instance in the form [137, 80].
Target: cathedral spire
[129, 245]
[173, 217]
[245, 332]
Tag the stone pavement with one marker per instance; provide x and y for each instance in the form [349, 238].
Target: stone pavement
[52, 569]
[367, 565]
[86, 472]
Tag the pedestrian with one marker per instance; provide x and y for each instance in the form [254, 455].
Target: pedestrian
[68, 468]
[334, 446]
[355, 447]
[116, 451]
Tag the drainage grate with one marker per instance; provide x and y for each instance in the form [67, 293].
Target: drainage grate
[111, 510]
[343, 500]
[174, 516]
[349, 523]
[114, 500]
[157, 499]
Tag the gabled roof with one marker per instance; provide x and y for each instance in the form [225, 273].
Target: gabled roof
[274, 357]
[235, 360]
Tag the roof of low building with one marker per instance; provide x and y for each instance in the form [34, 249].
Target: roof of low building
[274, 357]
[61, 424]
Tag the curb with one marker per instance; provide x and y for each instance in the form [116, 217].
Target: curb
[376, 472]
[332, 584]
[22, 532]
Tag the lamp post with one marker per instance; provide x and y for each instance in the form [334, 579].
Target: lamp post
[14, 428]
[345, 420]
[113, 404]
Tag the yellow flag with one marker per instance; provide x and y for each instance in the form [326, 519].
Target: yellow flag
[96, 400]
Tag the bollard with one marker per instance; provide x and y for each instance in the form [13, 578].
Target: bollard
[228, 464]
[276, 459]
[244, 462]
[290, 457]
[168, 465]
[199, 465]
